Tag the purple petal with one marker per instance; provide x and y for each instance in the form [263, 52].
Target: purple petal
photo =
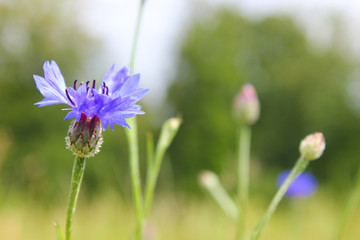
[129, 85]
[73, 114]
[303, 186]
[53, 74]
[109, 75]
[50, 92]
[139, 93]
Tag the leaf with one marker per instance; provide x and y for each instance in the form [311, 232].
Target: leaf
[59, 234]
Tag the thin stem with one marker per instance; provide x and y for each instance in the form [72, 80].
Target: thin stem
[149, 155]
[77, 175]
[297, 169]
[349, 208]
[243, 177]
[136, 35]
[150, 184]
[168, 132]
[133, 142]
[135, 175]
[223, 199]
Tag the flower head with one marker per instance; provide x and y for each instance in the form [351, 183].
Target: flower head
[246, 105]
[84, 136]
[303, 186]
[312, 146]
[113, 101]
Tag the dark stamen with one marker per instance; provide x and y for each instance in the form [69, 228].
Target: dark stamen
[103, 88]
[87, 83]
[75, 82]
[68, 96]
[94, 82]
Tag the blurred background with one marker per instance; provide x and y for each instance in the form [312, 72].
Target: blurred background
[303, 59]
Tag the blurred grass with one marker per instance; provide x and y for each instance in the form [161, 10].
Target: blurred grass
[174, 217]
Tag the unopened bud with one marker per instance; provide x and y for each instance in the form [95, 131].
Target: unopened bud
[84, 136]
[169, 130]
[208, 179]
[246, 105]
[312, 146]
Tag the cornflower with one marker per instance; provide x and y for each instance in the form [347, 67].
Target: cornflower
[113, 101]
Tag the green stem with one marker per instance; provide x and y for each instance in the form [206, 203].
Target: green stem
[133, 142]
[168, 132]
[297, 169]
[149, 155]
[135, 174]
[136, 35]
[243, 177]
[349, 208]
[223, 199]
[77, 175]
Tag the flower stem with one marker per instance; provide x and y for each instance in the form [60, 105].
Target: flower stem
[168, 132]
[77, 175]
[149, 154]
[223, 199]
[297, 169]
[349, 208]
[136, 35]
[133, 142]
[243, 177]
[135, 175]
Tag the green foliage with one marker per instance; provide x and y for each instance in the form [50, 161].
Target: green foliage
[300, 92]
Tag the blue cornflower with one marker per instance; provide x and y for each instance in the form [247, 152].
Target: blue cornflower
[113, 102]
[303, 186]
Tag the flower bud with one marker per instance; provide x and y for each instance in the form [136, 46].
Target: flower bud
[246, 105]
[312, 146]
[84, 136]
[208, 179]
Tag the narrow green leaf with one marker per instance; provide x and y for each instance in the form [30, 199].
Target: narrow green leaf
[59, 234]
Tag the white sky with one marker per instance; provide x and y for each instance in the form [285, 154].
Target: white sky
[164, 22]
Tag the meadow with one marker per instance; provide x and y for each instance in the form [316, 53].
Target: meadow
[175, 217]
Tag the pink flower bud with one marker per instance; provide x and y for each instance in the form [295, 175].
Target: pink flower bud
[312, 146]
[246, 105]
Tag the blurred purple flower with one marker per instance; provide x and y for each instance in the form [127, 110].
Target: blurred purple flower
[113, 102]
[303, 186]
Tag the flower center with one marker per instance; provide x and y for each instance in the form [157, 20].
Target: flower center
[105, 89]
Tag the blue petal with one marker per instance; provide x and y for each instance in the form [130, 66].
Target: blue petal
[53, 74]
[73, 114]
[114, 80]
[49, 91]
[129, 85]
[139, 93]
